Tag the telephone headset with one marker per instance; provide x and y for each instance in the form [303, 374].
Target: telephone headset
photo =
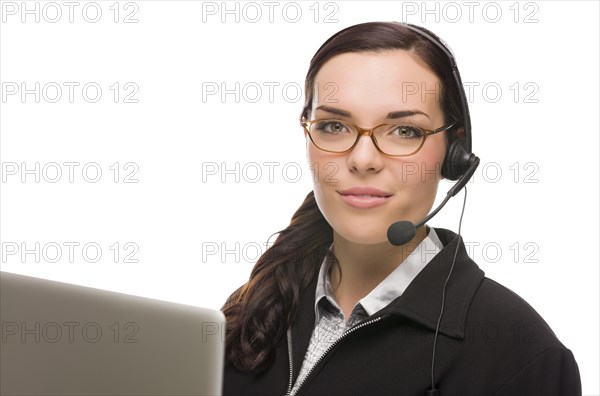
[459, 164]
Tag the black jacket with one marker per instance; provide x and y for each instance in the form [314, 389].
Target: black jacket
[491, 342]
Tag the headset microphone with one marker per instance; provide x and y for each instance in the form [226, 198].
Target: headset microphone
[403, 231]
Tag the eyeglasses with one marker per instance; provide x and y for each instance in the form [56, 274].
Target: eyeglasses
[337, 136]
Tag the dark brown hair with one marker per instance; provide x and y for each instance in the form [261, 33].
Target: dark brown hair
[260, 311]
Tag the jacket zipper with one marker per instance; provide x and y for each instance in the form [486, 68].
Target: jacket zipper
[289, 340]
[329, 348]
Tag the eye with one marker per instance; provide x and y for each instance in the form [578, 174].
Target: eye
[331, 126]
[406, 131]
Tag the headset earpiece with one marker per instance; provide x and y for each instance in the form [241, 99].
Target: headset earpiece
[456, 161]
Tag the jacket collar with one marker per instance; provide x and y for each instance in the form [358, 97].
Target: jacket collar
[421, 301]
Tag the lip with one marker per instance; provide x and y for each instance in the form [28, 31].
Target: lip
[364, 197]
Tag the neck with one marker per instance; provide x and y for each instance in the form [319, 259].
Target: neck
[363, 267]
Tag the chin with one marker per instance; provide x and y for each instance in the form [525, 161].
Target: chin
[361, 234]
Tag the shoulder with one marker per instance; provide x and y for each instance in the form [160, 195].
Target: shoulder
[533, 358]
[499, 304]
[496, 308]
[503, 299]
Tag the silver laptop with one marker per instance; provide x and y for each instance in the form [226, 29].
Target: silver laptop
[62, 339]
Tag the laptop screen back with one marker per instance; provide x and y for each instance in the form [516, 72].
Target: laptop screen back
[62, 339]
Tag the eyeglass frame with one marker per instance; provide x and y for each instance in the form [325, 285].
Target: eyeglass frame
[369, 132]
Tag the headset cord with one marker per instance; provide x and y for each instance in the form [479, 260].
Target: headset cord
[444, 290]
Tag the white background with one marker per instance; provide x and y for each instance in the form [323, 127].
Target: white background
[532, 209]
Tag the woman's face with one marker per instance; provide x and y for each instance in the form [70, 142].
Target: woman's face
[365, 87]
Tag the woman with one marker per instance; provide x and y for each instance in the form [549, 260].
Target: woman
[333, 307]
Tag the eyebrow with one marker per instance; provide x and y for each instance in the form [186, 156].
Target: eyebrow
[391, 115]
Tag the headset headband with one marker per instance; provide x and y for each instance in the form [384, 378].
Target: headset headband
[464, 106]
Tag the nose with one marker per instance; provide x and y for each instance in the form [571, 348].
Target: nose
[365, 157]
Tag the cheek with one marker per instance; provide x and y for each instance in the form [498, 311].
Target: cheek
[325, 171]
[324, 167]
[417, 180]
[424, 167]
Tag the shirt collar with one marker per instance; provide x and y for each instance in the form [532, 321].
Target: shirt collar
[391, 287]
